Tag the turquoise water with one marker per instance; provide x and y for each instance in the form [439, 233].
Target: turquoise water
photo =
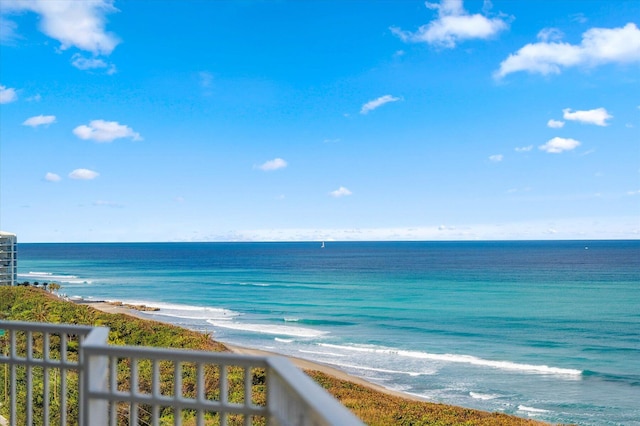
[547, 330]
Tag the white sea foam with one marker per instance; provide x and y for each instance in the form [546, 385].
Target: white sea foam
[189, 317]
[531, 409]
[464, 359]
[175, 310]
[321, 353]
[483, 396]
[291, 319]
[281, 340]
[256, 284]
[420, 395]
[282, 330]
[48, 276]
[383, 370]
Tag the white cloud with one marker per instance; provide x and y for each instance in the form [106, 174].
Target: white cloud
[598, 116]
[598, 46]
[453, 25]
[496, 158]
[84, 64]
[524, 148]
[613, 45]
[7, 95]
[558, 145]
[579, 17]
[73, 23]
[571, 228]
[52, 177]
[105, 131]
[83, 174]
[7, 30]
[543, 58]
[550, 34]
[39, 120]
[446, 228]
[555, 124]
[340, 192]
[275, 164]
[377, 103]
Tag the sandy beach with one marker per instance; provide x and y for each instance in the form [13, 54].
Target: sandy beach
[303, 364]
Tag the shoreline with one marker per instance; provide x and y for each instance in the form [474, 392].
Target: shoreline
[115, 307]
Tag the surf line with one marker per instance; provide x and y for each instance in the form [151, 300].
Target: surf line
[465, 359]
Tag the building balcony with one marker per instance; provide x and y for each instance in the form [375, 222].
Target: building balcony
[69, 374]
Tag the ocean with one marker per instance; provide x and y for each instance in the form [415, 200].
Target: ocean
[540, 329]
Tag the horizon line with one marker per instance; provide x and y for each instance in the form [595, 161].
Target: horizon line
[332, 241]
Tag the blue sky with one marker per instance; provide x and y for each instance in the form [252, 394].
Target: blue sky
[319, 120]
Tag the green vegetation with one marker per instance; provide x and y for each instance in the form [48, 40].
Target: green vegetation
[32, 304]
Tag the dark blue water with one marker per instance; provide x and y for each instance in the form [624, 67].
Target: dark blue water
[549, 330]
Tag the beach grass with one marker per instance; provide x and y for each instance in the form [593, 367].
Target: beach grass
[372, 406]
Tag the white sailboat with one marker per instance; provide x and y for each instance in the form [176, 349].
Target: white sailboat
[322, 246]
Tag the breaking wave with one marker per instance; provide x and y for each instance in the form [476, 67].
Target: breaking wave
[464, 359]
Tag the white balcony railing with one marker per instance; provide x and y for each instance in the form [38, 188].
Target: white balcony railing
[68, 374]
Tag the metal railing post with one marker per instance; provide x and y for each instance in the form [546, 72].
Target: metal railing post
[93, 370]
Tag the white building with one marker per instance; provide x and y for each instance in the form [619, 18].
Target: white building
[8, 258]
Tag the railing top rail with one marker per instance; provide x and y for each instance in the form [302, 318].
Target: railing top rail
[175, 354]
[46, 327]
